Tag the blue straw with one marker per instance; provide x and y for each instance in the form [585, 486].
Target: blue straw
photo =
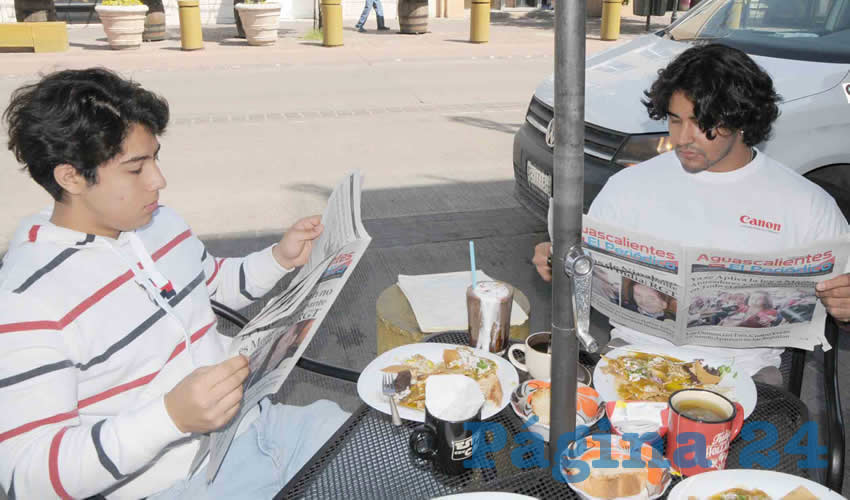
[472, 260]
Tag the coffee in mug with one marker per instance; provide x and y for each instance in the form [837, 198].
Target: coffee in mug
[703, 412]
[488, 307]
[538, 355]
[446, 438]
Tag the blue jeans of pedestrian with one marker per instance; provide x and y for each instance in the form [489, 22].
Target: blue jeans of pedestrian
[265, 457]
[379, 11]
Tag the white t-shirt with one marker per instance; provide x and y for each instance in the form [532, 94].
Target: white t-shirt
[729, 210]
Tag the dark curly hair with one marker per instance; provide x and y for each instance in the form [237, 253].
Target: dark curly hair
[79, 118]
[727, 88]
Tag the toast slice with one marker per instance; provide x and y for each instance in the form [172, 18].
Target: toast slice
[615, 482]
[541, 401]
[491, 388]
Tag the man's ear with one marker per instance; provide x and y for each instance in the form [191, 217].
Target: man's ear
[69, 179]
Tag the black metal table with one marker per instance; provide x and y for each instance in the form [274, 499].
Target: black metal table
[369, 458]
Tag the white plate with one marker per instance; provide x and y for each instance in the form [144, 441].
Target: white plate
[741, 388]
[613, 442]
[775, 484]
[524, 412]
[369, 383]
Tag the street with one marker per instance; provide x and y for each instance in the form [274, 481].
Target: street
[258, 136]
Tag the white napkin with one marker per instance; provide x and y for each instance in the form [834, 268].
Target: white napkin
[637, 416]
[453, 397]
[439, 300]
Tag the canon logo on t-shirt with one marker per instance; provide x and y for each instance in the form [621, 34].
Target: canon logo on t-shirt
[773, 227]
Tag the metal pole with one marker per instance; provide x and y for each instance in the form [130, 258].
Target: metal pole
[568, 180]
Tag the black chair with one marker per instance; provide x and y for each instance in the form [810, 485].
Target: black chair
[793, 365]
[835, 418]
[312, 365]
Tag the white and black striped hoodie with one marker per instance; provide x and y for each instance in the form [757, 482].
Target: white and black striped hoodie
[93, 333]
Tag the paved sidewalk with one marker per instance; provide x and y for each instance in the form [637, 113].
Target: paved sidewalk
[514, 33]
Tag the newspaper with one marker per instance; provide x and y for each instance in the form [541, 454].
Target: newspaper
[710, 297]
[277, 337]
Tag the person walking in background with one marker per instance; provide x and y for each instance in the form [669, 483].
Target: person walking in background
[379, 13]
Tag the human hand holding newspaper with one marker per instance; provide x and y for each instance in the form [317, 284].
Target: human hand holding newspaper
[297, 242]
[279, 334]
[835, 295]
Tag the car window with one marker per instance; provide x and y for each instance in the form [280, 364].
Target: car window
[813, 30]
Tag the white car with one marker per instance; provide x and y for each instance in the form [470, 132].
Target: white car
[803, 44]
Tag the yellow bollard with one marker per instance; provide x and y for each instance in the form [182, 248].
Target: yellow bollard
[611, 19]
[331, 23]
[479, 21]
[191, 37]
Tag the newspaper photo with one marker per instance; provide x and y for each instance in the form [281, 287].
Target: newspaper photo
[710, 297]
[279, 334]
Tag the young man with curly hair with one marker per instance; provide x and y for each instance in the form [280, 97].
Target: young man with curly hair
[719, 104]
[111, 366]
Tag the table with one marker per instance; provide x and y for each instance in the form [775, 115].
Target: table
[369, 458]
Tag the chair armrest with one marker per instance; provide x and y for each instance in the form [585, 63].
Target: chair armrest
[835, 419]
[306, 363]
[226, 313]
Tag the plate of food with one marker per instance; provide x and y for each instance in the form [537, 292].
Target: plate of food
[533, 398]
[591, 479]
[496, 376]
[652, 373]
[751, 484]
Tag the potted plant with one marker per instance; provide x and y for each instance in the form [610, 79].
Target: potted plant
[154, 21]
[123, 21]
[260, 19]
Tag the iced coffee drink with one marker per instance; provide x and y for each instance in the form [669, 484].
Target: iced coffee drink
[488, 306]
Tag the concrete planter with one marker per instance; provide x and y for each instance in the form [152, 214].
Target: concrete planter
[260, 21]
[123, 25]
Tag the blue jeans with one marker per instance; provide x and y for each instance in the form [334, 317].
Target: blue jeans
[266, 456]
[379, 11]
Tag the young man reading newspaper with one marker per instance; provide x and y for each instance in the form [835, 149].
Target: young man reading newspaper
[111, 366]
[719, 104]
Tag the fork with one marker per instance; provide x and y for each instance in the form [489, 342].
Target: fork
[388, 388]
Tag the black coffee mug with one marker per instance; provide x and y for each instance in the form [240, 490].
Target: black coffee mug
[446, 444]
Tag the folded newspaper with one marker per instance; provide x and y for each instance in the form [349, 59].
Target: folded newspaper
[710, 297]
[277, 337]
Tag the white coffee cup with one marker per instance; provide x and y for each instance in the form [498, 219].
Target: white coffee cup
[538, 357]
